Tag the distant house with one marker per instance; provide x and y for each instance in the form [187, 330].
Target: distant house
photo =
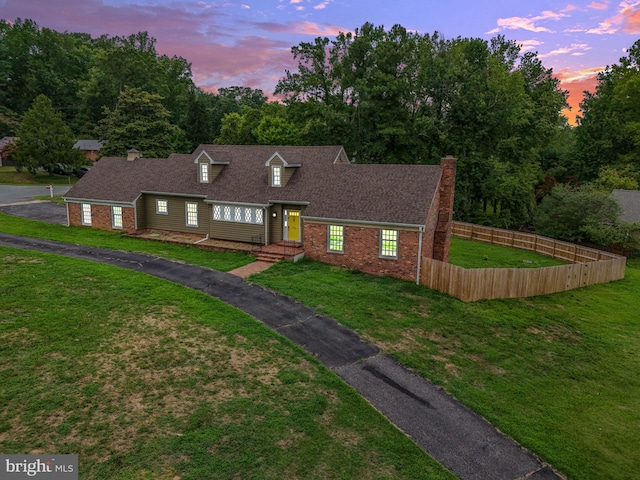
[90, 148]
[6, 142]
[379, 219]
[629, 201]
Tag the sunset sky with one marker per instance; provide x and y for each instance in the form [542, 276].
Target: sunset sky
[248, 42]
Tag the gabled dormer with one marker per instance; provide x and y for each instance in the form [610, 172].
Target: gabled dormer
[280, 171]
[342, 158]
[208, 168]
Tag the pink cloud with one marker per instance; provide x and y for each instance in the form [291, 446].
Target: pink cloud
[630, 17]
[527, 23]
[220, 51]
[317, 29]
[627, 20]
[598, 6]
[573, 49]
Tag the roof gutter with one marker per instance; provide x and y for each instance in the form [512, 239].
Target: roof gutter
[94, 201]
[146, 192]
[243, 204]
[362, 222]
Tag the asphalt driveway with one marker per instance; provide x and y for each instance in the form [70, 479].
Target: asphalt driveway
[458, 438]
[18, 194]
[19, 202]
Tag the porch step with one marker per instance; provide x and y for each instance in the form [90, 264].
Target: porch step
[270, 257]
[277, 252]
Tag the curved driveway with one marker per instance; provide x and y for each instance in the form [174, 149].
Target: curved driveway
[455, 436]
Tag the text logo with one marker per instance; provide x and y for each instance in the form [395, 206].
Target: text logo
[47, 467]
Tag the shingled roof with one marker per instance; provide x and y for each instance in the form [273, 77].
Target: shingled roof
[393, 194]
[629, 201]
[91, 145]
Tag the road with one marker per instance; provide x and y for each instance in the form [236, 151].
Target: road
[13, 194]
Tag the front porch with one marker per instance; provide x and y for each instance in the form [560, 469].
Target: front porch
[272, 253]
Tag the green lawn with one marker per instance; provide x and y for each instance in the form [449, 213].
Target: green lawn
[222, 261]
[144, 379]
[472, 254]
[559, 373]
[9, 176]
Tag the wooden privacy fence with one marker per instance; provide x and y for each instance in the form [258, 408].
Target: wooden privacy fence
[589, 267]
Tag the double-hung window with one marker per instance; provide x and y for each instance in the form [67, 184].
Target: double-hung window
[191, 209]
[162, 207]
[389, 243]
[116, 217]
[276, 176]
[204, 173]
[86, 214]
[336, 238]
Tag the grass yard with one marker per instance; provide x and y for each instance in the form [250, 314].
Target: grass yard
[144, 379]
[559, 373]
[9, 176]
[472, 254]
[222, 261]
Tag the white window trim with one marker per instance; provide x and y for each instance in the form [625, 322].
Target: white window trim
[85, 213]
[166, 206]
[204, 173]
[186, 213]
[332, 250]
[237, 214]
[276, 180]
[116, 225]
[396, 241]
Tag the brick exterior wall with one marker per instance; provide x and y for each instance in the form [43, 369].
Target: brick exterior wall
[101, 217]
[361, 250]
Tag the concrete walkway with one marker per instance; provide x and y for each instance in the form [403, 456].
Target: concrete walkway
[459, 439]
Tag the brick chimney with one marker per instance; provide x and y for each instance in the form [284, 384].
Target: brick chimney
[445, 212]
[133, 154]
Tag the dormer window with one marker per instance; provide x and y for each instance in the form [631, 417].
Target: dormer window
[280, 171]
[208, 168]
[204, 173]
[276, 176]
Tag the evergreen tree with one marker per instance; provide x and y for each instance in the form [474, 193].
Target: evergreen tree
[44, 140]
[140, 121]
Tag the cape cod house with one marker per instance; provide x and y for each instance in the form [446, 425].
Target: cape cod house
[379, 219]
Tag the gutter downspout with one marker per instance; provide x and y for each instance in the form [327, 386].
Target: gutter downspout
[419, 256]
[202, 240]
[267, 219]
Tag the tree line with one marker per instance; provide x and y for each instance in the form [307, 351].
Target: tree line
[387, 95]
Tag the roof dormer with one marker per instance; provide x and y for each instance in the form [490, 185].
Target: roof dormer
[280, 171]
[208, 168]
